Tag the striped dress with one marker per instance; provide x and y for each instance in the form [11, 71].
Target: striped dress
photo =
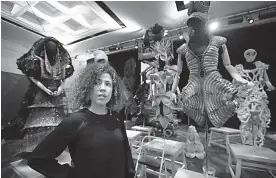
[207, 94]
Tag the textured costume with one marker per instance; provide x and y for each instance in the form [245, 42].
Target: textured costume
[194, 147]
[206, 90]
[40, 112]
[253, 111]
[207, 94]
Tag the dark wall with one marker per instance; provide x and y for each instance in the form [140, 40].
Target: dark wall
[13, 89]
[262, 38]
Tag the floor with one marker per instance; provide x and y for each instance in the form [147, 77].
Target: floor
[217, 157]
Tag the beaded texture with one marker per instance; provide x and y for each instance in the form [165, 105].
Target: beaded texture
[45, 111]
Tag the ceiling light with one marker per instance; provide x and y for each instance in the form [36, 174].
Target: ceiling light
[250, 19]
[165, 32]
[213, 26]
[180, 34]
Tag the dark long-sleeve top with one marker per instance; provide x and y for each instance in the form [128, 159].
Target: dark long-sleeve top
[98, 149]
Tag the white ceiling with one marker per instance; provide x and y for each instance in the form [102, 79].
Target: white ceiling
[138, 16]
[68, 21]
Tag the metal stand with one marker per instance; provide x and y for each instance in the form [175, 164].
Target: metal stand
[206, 146]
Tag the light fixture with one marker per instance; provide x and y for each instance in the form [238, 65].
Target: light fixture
[118, 46]
[136, 45]
[166, 33]
[180, 34]
[213, 26]
[249, 19]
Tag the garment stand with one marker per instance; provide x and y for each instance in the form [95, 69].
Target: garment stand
[253, 132]
[206, 154]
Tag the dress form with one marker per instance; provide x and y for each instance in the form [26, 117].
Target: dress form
[207, 98]
[47, 64]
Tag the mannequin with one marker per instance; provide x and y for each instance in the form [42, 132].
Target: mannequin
[47, 65]
[259, 74]
[253, 111]
[51, 51]
[207, 94]
[141, 96]
[207, 98]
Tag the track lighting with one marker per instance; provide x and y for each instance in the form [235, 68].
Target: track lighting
[249, 19]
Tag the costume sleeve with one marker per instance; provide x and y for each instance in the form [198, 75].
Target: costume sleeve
[42, 159]
[29, 66]
[130, 170]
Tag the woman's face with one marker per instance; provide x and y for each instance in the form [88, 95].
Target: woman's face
[102, 92]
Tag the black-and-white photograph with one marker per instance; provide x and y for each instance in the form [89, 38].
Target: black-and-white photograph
[138, 89]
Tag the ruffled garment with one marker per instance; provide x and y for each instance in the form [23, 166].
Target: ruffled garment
[207, 92]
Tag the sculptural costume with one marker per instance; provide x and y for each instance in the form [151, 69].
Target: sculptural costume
[161, 74]
[194, 147]
[47, 64]
[253, 112]
[207, 94]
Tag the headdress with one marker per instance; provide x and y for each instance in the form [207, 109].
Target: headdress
[198, 10]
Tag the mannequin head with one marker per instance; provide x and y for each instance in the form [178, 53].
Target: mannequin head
[197, 27]
[198, 13]
[250, 55]
[51, 50]
[196, 24]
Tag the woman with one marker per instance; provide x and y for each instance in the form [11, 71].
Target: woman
[95, 135]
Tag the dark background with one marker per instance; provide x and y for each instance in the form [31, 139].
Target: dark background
[13, 89]
[118, 60]
[261, 38]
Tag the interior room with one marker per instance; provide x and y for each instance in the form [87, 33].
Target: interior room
[138, 89]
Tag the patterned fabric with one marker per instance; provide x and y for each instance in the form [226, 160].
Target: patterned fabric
[36, 64]
[44, 111]
[206, 91]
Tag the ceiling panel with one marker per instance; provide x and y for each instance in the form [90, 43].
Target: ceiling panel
[68, 21]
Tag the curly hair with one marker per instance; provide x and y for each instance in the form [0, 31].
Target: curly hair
[86, 80]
